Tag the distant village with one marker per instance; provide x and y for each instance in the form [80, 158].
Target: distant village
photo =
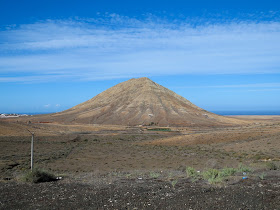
[11, 115]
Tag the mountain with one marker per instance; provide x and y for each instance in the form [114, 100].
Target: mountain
[139, 102]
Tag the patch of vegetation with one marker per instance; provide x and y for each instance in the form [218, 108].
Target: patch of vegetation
[159, 129]
[128, 175]
[192, 173]
[213, 176]
[259, 156]
[39, 175]
[243, 168]
[154, 175]
[228, 171]
[173, 183]
[262, 176]
[272, 166]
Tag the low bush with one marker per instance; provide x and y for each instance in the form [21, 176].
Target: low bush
[215, 176]
[262, 176]
[243, 168]
[272, 166]
[39, 175]
[211, 173]
[192, 173]
[154, 175]
[228, 171]
[215, 180]
[173, 183]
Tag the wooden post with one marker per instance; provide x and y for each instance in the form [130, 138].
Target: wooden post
[32, 149]
[32, 145]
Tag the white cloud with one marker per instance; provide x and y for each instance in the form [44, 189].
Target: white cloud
[47, 105]
[57, 105]
[123, 47]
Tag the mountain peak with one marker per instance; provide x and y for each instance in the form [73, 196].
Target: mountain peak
[142, 80]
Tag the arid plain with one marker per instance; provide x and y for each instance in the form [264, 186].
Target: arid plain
[78, 148]
[121, 167]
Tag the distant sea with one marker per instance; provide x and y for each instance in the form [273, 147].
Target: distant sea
[31, 113]
[247, 112]
[216, 112]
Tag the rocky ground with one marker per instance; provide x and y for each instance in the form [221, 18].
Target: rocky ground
[141, 194]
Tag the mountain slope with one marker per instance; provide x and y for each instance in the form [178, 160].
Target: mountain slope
[140, 102]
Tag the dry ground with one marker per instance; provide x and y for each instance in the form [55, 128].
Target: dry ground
[141, 194]
[86, 154]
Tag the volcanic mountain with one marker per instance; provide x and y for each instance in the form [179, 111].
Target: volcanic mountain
[140, 102]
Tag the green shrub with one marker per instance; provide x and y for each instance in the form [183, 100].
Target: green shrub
[215, 176]
[262, 175]
[228, 171]
[192, 173]
[211, 174]
[215, 180]
[154, 175]
[173, 183]
[272, 166]
[243, 168]
[39, 175]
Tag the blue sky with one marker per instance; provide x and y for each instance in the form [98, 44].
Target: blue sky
[221, 55]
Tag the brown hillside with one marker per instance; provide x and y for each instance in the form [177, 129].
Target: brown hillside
[139, 102]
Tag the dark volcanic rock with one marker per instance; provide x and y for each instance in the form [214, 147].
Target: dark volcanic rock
[144, 194]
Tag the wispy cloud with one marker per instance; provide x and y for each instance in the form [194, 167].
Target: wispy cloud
[265, 90]
[123, 47]
[256, 85]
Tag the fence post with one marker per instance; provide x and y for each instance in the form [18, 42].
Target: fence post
[32, 148]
